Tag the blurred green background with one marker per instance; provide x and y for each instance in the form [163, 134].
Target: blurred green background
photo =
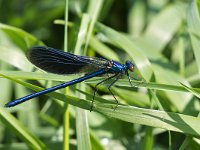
[160, 37]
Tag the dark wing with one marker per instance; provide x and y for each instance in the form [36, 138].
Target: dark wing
[59, 62]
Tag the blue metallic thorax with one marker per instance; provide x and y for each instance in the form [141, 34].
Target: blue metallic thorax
[117, 67]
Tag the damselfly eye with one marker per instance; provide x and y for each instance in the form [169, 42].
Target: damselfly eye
[130, 65]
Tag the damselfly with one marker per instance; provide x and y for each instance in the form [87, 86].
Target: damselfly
[59, 62]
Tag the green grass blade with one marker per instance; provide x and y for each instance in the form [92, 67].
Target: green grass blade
[66, 111]
[155, 118]
[162, 28]
[82, 127]
[21, 131]
[193, 21]
[195, 91]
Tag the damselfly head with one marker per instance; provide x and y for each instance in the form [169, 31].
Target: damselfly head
[130, 66]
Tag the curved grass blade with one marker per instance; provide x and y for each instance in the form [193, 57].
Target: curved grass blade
[21, 131]
[155, 118]
[195, 91]
[193, 21]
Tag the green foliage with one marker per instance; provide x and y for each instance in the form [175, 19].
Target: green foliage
[162, 110]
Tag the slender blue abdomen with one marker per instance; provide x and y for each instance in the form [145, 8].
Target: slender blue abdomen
[51, 89]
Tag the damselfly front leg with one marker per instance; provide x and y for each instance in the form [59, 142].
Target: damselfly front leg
[96, 89]
[109, 88]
